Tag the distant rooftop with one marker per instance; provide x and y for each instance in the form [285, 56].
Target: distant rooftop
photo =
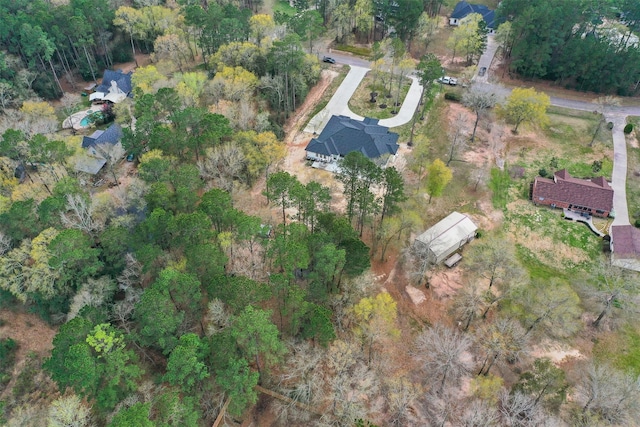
[464, 9]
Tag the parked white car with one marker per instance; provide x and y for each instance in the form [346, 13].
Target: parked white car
[446, 80]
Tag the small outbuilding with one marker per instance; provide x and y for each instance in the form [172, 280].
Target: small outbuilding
[625, 247]
[447, 237]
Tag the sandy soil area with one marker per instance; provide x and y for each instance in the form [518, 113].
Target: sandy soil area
[31, 334]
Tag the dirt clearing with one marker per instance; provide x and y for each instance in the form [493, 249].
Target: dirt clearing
[31, 334]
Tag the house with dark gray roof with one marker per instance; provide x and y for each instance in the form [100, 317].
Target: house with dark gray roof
[111, 135]
[115, 86]
[343, 135]
[464, 9]
[96, 145]
[587, 196]
[625, 247]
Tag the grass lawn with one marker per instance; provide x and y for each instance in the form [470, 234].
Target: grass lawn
[633, 183]
[566, 144]
[359, 102]
[621, 348]
[284, 7]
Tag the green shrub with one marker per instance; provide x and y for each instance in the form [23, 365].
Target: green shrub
[543, 172]
[637, 223]
[453, 96]
[596, 166]
[628, 128]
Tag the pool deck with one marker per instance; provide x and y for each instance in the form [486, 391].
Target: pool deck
[73, 121]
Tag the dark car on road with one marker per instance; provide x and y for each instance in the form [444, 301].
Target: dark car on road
[482, 71]
[328, 59]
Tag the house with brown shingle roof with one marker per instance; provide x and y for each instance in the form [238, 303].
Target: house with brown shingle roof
[588, 196]
[625, 247]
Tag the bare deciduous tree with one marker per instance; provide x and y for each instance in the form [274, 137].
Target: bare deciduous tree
[495, 260]
[479, 98]
[93, 293]
[502, 341]
[5, 243]
[478, 413]
[611, 287]
[519, 410]
[401, 396]
[417, 261]
[218, 317]
[113, 154]
[457, 138]
[69, 411]
[469, 302]
[479, 175]
[552, 306]
[444, 354]
[611, 394]
[223, 165]
[351, 385]
[80, 215]
[604, 106]
[303, 380]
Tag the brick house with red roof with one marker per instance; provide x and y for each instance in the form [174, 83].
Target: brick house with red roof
[589, 196]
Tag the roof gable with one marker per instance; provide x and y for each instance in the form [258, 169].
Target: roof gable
[594, 193]
[343, 135]
[112, 135]
[464, 9]
[448, 232]
[123, 81]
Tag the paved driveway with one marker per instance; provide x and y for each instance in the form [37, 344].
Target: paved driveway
[339, 103]
[619, 175]
[486, 59]
[408, 107]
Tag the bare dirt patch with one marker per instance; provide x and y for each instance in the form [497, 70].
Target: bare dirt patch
[31, 334]
[296, 141]
[557, 352]
[295, 122]
[445, 283]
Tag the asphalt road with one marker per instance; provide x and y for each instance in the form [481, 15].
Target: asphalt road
[345, 58]
[339, 105]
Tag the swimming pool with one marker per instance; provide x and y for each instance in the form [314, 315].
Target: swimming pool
[91, 117]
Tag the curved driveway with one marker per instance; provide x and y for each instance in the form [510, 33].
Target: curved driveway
[339, 102]
[617, 115]
[338, 105]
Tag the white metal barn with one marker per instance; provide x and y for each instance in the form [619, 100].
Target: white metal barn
[447, 236]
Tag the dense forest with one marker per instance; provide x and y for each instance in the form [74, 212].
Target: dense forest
[199, 279]
[586, 45]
